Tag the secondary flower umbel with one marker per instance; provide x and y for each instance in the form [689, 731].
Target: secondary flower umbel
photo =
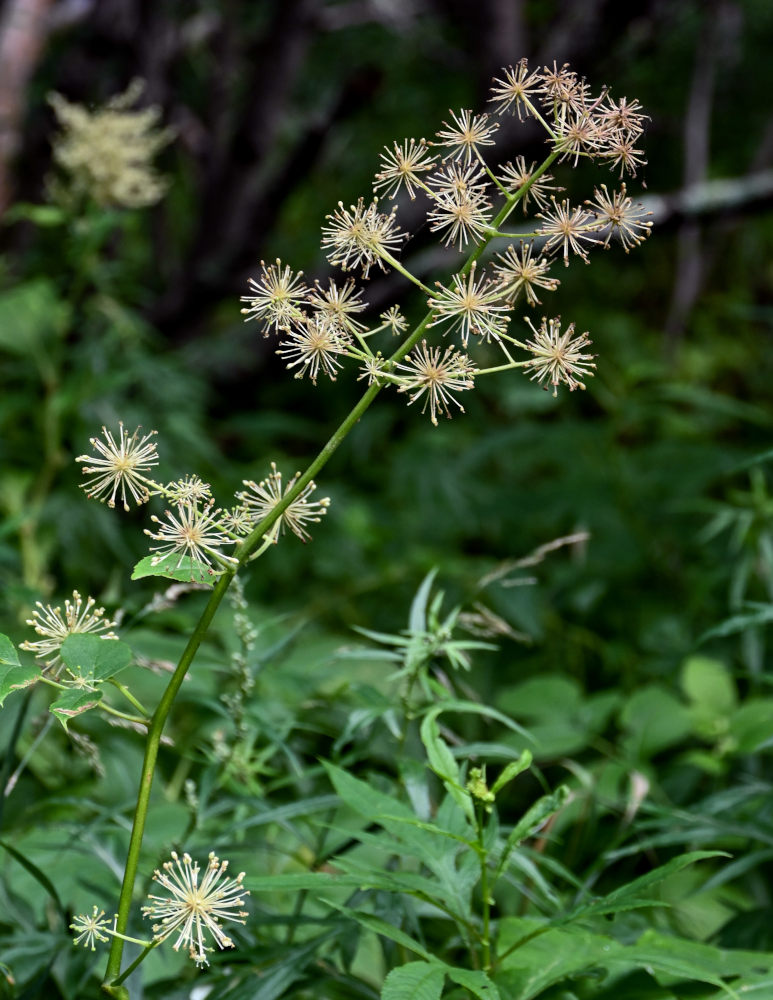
[78, 617]
[194, 911]
[261, 498]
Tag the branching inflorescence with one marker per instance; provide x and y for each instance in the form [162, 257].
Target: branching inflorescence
[467, 201]
[318, 328]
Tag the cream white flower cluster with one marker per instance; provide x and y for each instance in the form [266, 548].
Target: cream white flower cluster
[468, 203]
[194, 909]
[193, 528]
[107, 154]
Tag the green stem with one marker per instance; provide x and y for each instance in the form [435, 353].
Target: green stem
[484, 890]
[130, 697]
[243, 552]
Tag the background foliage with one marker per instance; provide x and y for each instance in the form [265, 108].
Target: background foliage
[646, 663]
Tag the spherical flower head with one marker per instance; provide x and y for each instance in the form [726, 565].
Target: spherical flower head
[260, 499]
[195, 911]
[194, 532]
[436, 377]
[277, 297]
[314, 345]
[119, 467]
[402, 165]
[54, 627]
[559, 357]
[189, 489]
[360, 236]
[471, 306]
[620, 217]
[567, 228]
[460, 216]
[467, 134]
[517, 91]
[108, 152]
[563, 91]
[518, 272]
[338, 305]
[90, 929]
[513, 176]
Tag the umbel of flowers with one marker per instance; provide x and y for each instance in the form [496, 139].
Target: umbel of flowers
[467, 203]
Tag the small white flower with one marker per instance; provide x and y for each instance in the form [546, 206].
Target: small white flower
[402, 164]
[277, 296]
[437, 376]
[471, 306]
[196, 910]
[192, 532]
[466, 135]
[54, 627]
[261, 498]
[91, 929]
[558, 357]
[121, 466]
[358, 236]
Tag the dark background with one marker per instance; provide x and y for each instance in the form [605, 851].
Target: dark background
[280, 110]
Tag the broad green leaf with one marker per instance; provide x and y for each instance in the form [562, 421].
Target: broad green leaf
[8, 655]
[751, 725]
[13, 676]
[74, 702]
[712, 693]
[37, 874]
[173, 567]
[476, 981]
[654, 720]
[532, 958]
[94, 657]
[414, 981]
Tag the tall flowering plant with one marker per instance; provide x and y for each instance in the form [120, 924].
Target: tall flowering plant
[319, 329]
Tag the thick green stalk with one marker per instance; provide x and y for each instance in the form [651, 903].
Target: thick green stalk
[242, 554]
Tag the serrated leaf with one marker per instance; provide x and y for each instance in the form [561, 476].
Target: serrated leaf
[74, 702]
[474, 980]
[173, 567]
[13, 676]
[8, 654]
[93, 657]
[414, 981]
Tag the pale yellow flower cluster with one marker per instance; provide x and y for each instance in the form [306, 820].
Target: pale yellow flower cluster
[107, 153]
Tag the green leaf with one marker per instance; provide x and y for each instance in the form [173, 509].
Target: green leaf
[513, 769]
[531, 821]
[655, 720]
[476, 981]
[13, 676]
[712, 691]
[44, 216]
[761, 615]
[414, 981]
[693, 960]
[417, 620]
[74, 702]
[629, 896]
[441, 760]
[37, 874]
[173, 567]
[29, 314]
[94, 657]
[379, 926]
